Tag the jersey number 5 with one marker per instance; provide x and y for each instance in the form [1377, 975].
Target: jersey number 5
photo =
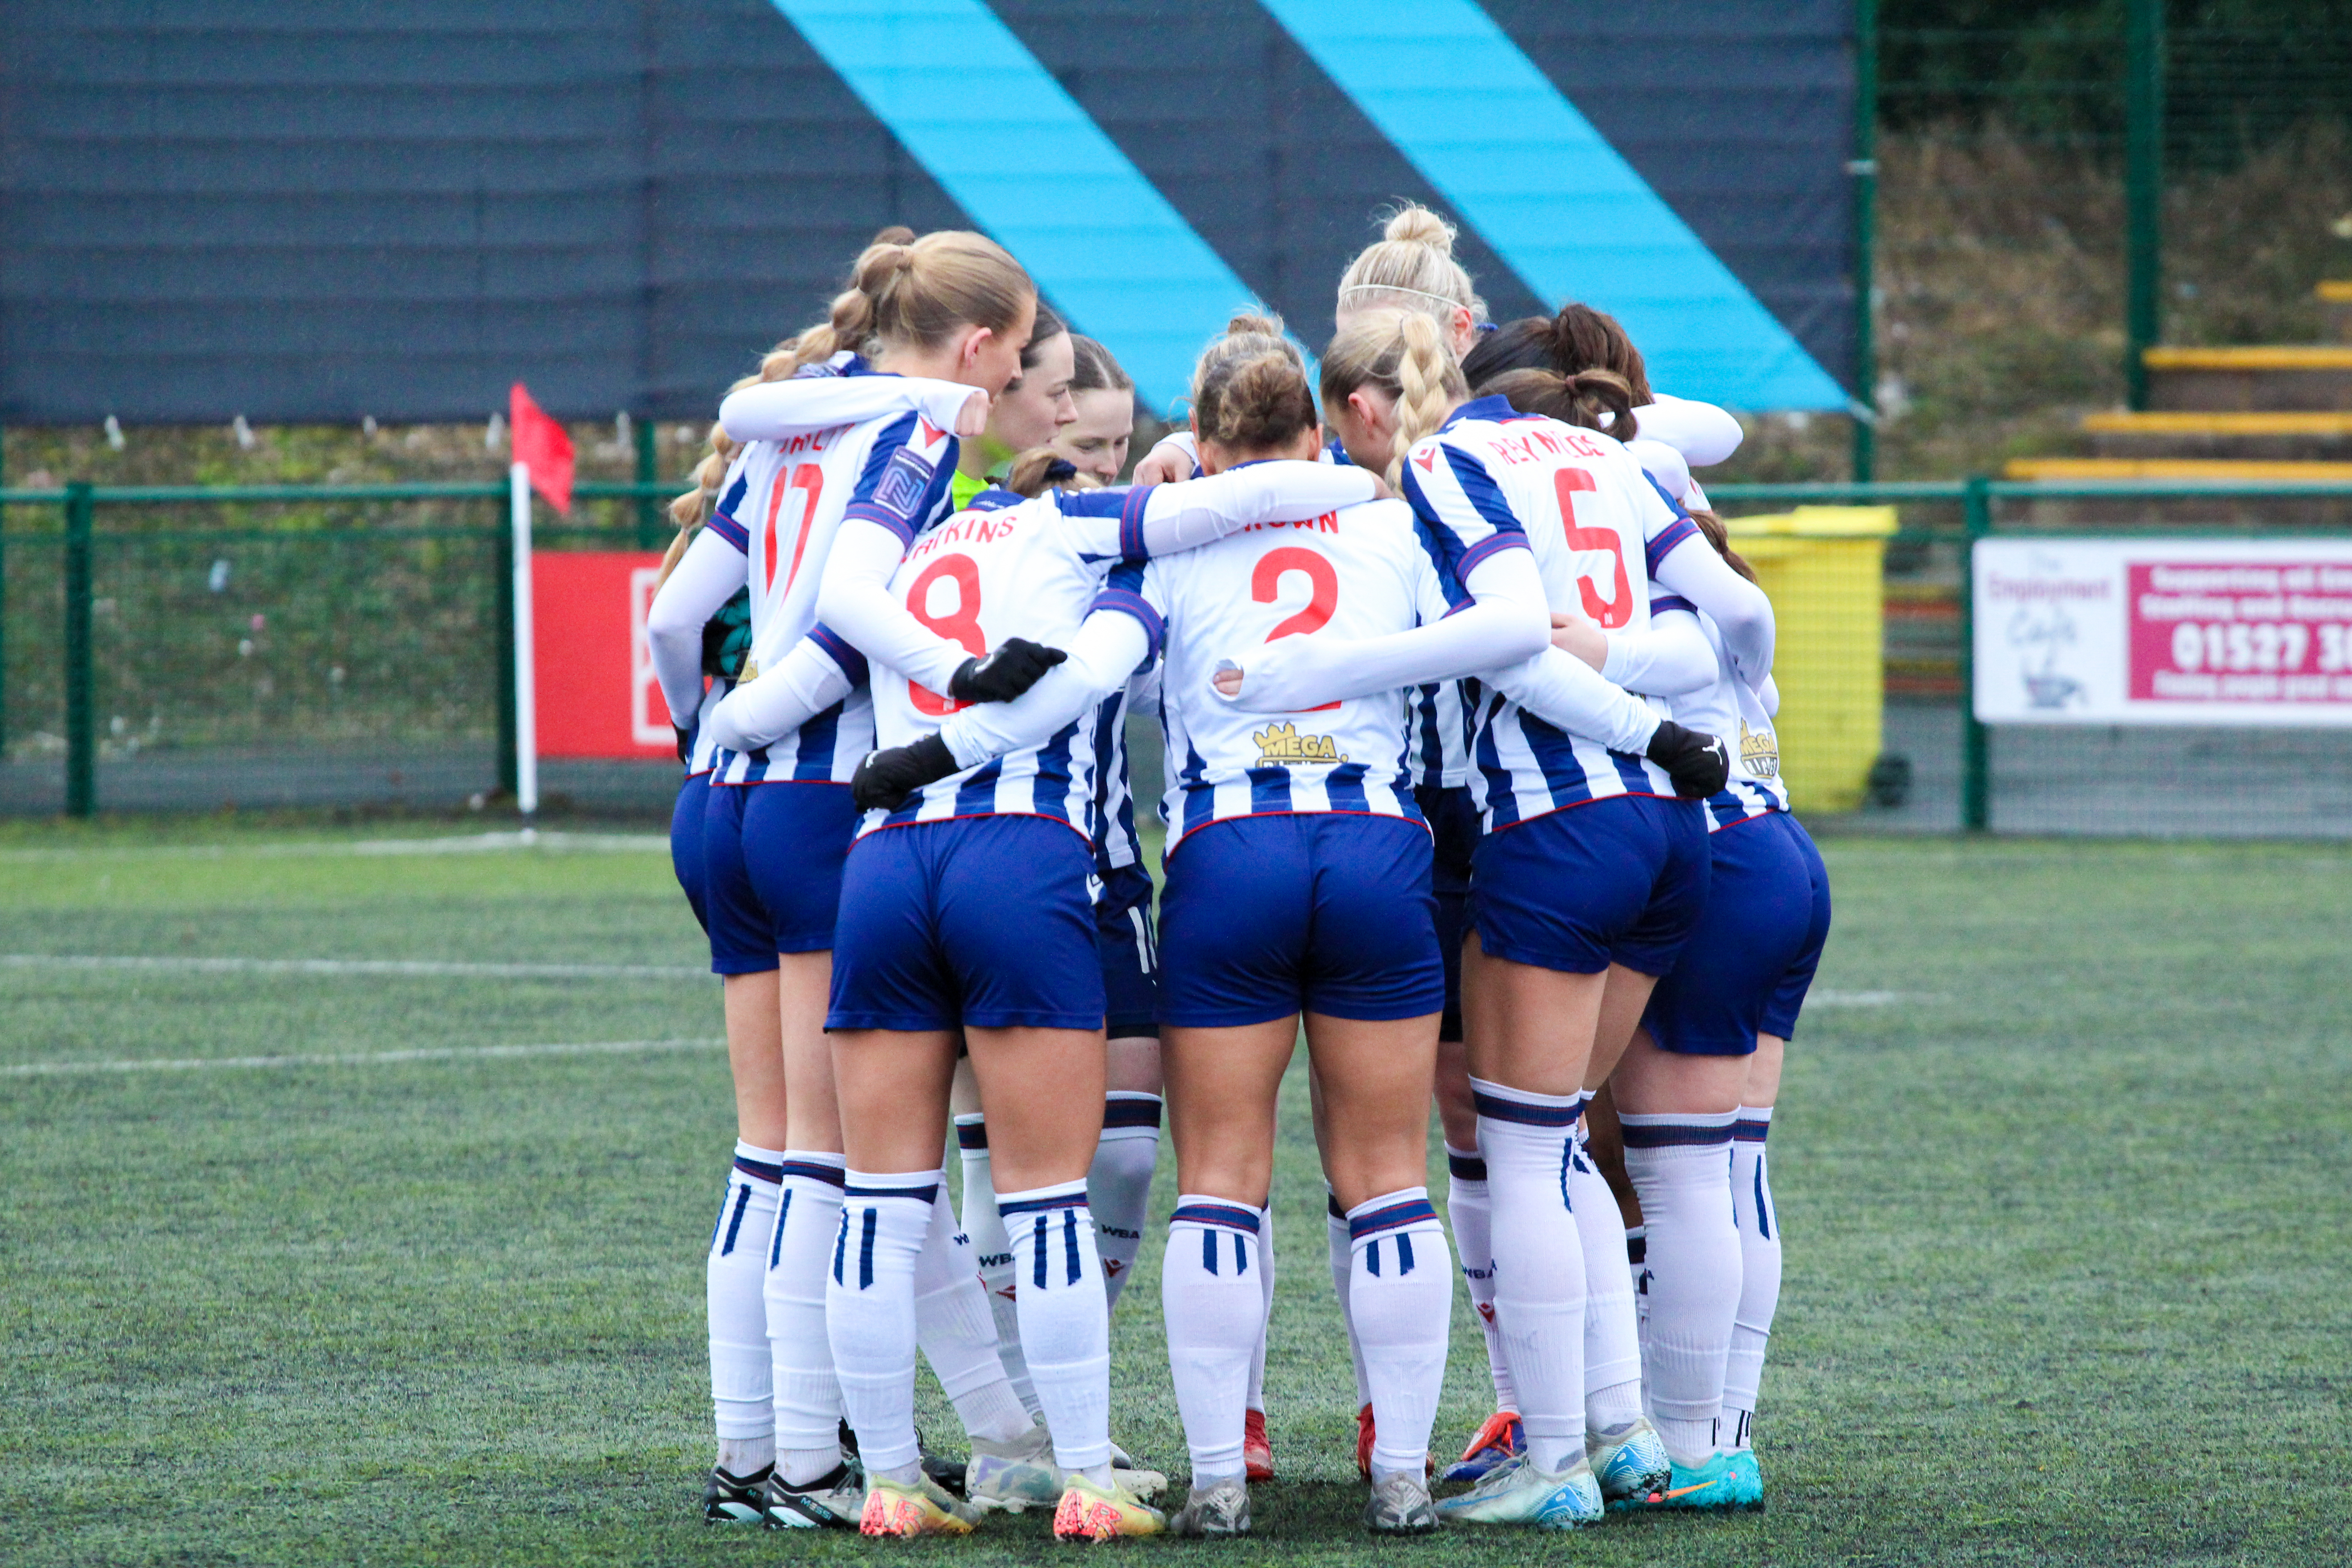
[1618, 608]
[960, 625]
[807, 481]
[1322, 593]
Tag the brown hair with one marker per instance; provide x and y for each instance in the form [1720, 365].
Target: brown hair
[1580, 399]
[1410, 267]
[1712, 526]
[1249, 390]
[1096, 370]
[1041, 469]
[1579, 339]
[1403, 354]
[902, 290]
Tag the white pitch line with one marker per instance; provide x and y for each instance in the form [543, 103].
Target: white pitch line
[359, 1059]
[1854, 998]
[450, 844]
[349, 966]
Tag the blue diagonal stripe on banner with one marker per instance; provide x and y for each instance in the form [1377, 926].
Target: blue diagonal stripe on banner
[970, 102]
[1488, 128]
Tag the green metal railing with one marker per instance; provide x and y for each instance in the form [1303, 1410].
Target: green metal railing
[1977, 498]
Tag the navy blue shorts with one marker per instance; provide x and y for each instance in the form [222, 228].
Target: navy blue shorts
[979, 920]
[1129, 949]
[1453, 826]
[1754, 950]
[1266, 917]
[1616, 880]
[772, 857]
[685, 843]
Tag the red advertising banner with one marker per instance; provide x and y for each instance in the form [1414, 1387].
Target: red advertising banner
[2240, 631]
[597, 694]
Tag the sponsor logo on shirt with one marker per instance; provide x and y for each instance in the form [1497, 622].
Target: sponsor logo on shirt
[1282, 746]
[1760, 751]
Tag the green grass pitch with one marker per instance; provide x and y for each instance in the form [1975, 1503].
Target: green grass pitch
[2067, 1213]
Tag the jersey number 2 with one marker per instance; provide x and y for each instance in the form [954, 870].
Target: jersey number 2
[1322, 594]
[807, 481]
[960, 625]
[1618, 608]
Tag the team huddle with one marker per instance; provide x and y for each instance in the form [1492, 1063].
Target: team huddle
[1470, 771]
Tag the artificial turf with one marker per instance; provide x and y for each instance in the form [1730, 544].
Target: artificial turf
[2067, 1221]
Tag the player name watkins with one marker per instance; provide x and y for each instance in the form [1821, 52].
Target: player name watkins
[1282, 746]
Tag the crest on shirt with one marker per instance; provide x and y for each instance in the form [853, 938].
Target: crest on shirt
[1282, 746]
[1760, 751]
[903, 481]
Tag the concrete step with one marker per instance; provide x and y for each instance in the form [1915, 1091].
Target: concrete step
[2179, 471]
[2335, 306]
[2269, 378]
[2309, 435]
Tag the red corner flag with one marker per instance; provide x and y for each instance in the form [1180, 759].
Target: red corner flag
[543, 445]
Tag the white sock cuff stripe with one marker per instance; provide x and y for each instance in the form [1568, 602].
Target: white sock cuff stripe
[744, 1150]
[1408, 1208]
[1696, 1130]
[1754, 1121]
[917, 1186]
[1497, 1102]
[812, 1165]
[1199, 1210]
[1038, 1200]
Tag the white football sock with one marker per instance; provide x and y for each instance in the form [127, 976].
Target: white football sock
[1118, 1184]
[808, 1396]
[1264, 1268]
[1212, 1294]
[958, 1332]
[1759, 1277]
[1343, 1268]
[1637, 1255]
[1402, 1297]
[1539, 1262]
[1613, 1338]
[993, 1252]
[742, 1407]
[1468, 1209]
[1681, 1168]
[869, 1308]
[1064, 1325]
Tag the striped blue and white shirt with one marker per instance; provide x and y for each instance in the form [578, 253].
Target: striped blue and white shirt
[782, 504]
[1493, 479]
[1363, 571]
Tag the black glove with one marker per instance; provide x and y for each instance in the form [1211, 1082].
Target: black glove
[685, 741]
[1699, 764]
[885, 779]
[1004, 673]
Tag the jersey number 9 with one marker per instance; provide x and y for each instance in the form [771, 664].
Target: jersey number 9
[960, 625]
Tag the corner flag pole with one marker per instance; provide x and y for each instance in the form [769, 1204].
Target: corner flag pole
[525, 673]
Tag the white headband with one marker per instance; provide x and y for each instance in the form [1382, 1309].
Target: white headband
[1393, 288]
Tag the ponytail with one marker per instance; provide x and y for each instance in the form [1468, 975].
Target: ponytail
[1712, 527]
[1581, 399]
[1579, 339]
[1403, 353]
[1041, 469]
[1249, 389]
[917, 293]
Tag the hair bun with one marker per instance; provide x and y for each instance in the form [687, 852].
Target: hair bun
[896, 234]
[1268, 325]
[1418, 225]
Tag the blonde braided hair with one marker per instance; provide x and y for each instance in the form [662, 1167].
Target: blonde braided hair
[1403, 353]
